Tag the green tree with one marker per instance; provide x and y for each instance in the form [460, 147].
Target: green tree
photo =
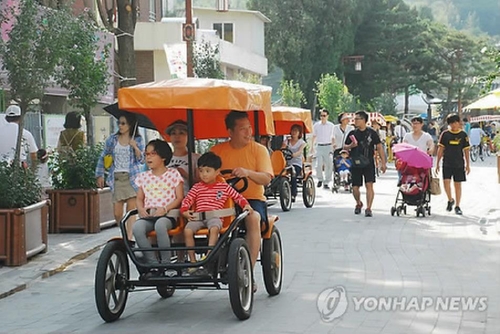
[333, 95]
[291, 94]
[84, 70]
[125, 12]
[30, 54]
[306, 39]
[206, 60]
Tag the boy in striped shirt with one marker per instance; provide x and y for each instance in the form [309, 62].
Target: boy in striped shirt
[208, 195]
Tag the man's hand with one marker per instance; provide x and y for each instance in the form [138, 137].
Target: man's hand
[241, 172]
[383, 168]
[248, 207]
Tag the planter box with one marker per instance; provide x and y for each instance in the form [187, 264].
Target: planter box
[80, 210]
[23, 233]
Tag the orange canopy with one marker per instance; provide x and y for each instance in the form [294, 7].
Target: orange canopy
[210, 100]
[285, 117]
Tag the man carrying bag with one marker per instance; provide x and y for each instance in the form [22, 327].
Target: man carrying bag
[362, 143]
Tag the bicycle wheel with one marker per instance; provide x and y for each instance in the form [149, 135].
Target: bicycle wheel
[487, 149]
[474, 153]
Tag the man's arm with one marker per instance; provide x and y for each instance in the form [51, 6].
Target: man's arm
[439, 155]
[381, 154]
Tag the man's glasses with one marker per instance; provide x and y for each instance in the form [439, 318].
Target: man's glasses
[323, 115]
[358, 118]
[150, 154]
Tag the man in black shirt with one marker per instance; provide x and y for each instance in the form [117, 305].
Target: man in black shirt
[362, 142]
[454, 149]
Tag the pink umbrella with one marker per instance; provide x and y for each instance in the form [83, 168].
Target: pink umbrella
[412, 155]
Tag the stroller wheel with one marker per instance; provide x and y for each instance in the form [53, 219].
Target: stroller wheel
[429, 210]
[393, 211]
[398, 211]
[404, 209]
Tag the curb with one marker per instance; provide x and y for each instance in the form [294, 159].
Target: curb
[52, 272]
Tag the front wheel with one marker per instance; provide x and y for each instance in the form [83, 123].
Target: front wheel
[111, 277]
[272, 263]
[487, 150]
[240, 278]
[165, 291]
[285, 195]
[308, 192]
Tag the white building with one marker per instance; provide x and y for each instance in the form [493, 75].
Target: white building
[161, 52]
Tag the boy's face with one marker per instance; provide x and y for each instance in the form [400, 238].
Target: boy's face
[455, 126]
[208, 174]
[344, 155]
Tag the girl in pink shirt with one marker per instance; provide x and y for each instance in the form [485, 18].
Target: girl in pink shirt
[160, 190]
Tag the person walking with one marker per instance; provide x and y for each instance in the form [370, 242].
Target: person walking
[324, 140]
[453, 148]
[8, 140]
[399, 131]
[362, 143]
[126, 148]
[71, 138]
[419, 138]
[340, 132]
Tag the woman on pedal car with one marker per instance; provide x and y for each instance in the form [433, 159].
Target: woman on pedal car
[296, 145]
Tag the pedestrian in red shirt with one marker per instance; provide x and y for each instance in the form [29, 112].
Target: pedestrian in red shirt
[207, 195]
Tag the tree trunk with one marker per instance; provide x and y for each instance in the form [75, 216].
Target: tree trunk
[17, 157]
[407, 100]
[127, 15]
[90, 126]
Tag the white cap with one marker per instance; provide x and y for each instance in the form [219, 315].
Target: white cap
[13, 110]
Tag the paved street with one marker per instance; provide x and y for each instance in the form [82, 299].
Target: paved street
[441, 256]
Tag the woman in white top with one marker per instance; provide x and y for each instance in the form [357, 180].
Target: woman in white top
[419, 138]
[177, 132]
[296, 145]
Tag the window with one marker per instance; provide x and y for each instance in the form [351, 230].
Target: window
[225, 31]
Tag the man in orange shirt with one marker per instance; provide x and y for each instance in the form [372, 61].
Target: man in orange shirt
[247, 158]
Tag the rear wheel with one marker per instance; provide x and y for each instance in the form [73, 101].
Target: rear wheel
[474, 153]
[487, 150]
[272, 262]
[393, 211]
[308, 192]
[110, 285]
[240, 277]
[285, 195]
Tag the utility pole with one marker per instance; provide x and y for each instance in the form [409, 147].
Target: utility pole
[189, 38]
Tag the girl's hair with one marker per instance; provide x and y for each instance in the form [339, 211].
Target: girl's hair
[72, 120]
[298, 127]
[162, 149]
[132, 125]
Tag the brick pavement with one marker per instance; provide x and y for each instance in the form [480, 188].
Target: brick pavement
[441, 255]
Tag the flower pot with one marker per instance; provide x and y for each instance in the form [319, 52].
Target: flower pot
[79, 210]
[23, 233]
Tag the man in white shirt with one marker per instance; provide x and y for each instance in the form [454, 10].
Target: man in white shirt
[475, 136]
[418, 137]
[399, 131]
[340, 132]
[324, 140]
[8, 138]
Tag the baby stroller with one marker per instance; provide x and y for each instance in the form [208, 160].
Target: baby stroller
[337, 179]
[414, 184]
[414, 190]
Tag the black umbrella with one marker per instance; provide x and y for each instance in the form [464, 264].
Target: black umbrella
[142, 120]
